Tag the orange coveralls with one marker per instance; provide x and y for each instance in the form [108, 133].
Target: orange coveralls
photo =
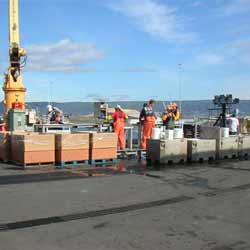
[119, 118]
[148, 117]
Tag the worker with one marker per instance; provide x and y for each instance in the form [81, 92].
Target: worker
[119, 118]
[233, 124]
[148, 120]
[176, 112]
[55, 115]
[168, 117]
[141, 119]
[171, 115]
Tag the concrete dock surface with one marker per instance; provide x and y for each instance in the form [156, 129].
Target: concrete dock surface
[126, 206]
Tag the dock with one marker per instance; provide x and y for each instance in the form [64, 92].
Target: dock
[199, 207]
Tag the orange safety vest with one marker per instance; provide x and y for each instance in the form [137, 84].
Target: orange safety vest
[119, 118]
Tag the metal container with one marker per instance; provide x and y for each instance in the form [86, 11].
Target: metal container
[166, 151]
[244, 147]
[16, 119]
[201, 150]
[228, 148]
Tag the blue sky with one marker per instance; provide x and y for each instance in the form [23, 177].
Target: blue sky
[84, 50]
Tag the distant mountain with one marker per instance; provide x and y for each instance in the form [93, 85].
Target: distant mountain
[189, 108]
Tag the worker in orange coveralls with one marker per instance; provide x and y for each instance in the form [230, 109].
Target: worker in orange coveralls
[119, 118]
[147, 119]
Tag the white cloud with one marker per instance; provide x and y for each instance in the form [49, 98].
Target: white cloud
[196, 4]
[237, 84]
[159, 20]
[110, 98]
[141, 70]
[236, 52]
[209, 58]
[236, 7]
[96, 97]
[119, 97]
[240, 44]
[63, 56]
[239, 50]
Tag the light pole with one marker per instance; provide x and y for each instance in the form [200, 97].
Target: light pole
[50, 93]
[180, 87]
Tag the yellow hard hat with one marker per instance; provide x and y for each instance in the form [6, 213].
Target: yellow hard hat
[109, 118]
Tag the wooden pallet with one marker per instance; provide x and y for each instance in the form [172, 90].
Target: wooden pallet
[102, 161]
[35, 164]
[65, 164]
[35, 158]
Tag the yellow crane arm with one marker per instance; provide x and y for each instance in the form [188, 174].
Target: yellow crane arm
[14, 24]
[13, 84]
[15, 51]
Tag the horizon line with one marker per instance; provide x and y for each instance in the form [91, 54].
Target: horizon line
[194, 100]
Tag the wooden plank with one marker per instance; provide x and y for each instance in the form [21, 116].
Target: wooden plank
[103, 140]
[103, 153]
[73, 141]
[30, 142]
[35, 157]
[72, 155]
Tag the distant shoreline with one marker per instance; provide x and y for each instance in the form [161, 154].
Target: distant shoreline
[190, 109]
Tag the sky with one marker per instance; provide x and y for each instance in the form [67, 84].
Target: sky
[127, 50]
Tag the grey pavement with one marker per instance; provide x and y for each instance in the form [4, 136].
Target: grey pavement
[216, 217]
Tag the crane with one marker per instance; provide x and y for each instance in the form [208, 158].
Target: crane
[14, 90]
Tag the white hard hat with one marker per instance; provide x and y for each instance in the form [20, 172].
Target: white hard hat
[118, 107]
[49, 108]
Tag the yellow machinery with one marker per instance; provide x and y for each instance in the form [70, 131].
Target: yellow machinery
[13, 85]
